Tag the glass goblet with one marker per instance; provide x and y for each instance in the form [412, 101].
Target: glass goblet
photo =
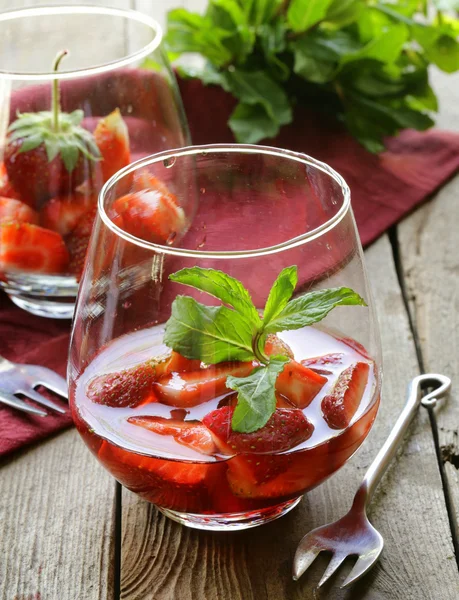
[75, 109]
[225, 355]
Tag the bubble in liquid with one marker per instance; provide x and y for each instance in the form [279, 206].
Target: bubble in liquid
[169, 162]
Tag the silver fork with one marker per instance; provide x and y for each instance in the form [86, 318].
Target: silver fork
[353, 534]
[22, 379]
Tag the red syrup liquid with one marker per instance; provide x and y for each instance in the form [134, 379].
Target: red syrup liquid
[177, 477]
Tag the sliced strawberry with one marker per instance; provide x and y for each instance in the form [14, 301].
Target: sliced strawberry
[286, 475]
[193, 388]
[112, 138]
[178, 363]
[181, 486]
[316, 363]
[299, 384]
[340, 406]
[257, 460]
[62, 214]
[17, 211]
[192, 434]
[130, 387]
[285, 429]
[134, 386]
[275, 346]
[6, 187]
[78, 239]
[144, 180]
[32, 248]
[149, 215]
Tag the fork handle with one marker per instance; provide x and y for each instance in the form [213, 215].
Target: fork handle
[378, 467]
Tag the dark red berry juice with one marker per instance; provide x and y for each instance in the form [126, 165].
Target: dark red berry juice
[162, 426]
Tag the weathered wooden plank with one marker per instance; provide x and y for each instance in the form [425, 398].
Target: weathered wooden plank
[56, 523]
[163, 561]
[430, 261]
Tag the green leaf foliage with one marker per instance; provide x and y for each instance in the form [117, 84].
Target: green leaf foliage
[222, 286]
[360, 59]
[215, 334]
[311, 308]
[68, 142]
[256, 396]
[212, 334]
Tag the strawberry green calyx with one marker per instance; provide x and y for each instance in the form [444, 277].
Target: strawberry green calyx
[60, 132]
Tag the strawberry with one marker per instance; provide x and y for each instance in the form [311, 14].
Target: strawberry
[112, 138]
[32, 248]
[130, 387]
[317, 362]
[6, 189]
[48, 153]
[178, 363]
[144, 180]
[192, 434]
[134, 386]
[17, 211]
[195, 387]
[62, 214]
[149, 215]
[296, 383]
[255, 458]
[284, 476]
[299, 384]
[285, 429]
[275, 346]
[326, 359]
[340, 406]
[168, 483]
[78, 239]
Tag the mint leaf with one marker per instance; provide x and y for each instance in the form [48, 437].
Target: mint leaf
[343, 12]
[190, 32]
[311, 308]
[256, 396]
[260, 11]
[385, 48]
[251, 123]
[229, 16]
[221, 286]
[211, 334]
[280, 293]
[303, 14]
[257, 87]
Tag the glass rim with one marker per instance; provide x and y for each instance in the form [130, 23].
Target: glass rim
[220, 148]
[75, 9]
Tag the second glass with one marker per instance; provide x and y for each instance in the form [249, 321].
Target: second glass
[83, 91]
[225, 356]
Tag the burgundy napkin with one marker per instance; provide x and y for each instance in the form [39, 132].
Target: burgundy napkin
[384, 188]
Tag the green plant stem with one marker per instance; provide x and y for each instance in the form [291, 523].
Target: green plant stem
[55, 94]
[259, 353]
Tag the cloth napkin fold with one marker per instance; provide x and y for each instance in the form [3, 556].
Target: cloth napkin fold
[384, 188]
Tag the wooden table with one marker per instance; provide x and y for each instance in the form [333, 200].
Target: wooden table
[68, 531]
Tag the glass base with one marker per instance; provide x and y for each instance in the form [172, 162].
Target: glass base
[232, 522]
[53, 309]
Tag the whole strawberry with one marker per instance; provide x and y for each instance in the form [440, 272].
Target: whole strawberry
[48, 153]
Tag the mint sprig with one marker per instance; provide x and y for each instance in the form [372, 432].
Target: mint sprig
[235, 331]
